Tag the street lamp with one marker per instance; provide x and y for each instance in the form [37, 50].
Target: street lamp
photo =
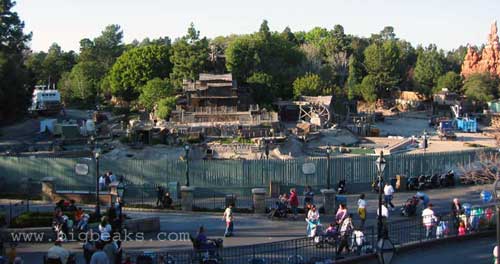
[426, 138]
[496, 191]
[186, 148]
[385, 247]
[380, 162]
[97, 155]
[328, 152]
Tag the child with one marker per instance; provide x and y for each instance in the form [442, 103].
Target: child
[331, 230]
[362, 209]
[461, 229]
[229, 218]
[442, 229]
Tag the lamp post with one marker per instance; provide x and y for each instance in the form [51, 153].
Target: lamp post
[328, 152]
[426, 138]
[186, 149]
[380, 162]
[97, 154]
[496, 191]
[385, 248]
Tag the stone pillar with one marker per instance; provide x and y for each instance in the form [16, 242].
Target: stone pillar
[187, 198]
[329, 201]
[259, 200]
[48, 189]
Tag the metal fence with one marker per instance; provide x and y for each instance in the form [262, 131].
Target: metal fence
[298, 251]
[225, 176]
[308, 250]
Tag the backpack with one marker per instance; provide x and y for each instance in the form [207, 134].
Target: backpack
[107, 180]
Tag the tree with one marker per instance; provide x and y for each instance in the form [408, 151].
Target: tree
[451, 80]
[481, 87]
[15, 94]
[108, 46]
[153, 91]
[455, 59]
[47, 68]
[309, 85]
[382, 62]
[189, 56]
[355, 77]
[385, 34]
[136, 67]
[430, 66]
[263, 86]
[369, 89]
[265, 60]
[81, 85]
[165, 107]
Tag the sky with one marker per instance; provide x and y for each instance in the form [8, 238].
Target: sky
[446, 23]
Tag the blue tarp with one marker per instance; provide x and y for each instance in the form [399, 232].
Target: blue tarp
[467, 124]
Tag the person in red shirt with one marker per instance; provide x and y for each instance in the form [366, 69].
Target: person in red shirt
[294, 202]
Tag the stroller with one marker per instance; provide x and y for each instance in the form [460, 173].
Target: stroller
[208, 253]
[280, 211]
[410, 207]
[328, 238]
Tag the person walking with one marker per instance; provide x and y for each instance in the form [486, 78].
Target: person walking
[229, 218]
[294, 202]
[362, 209]
[429, 220]
[312, 220]
[160, 194]
[58, 252]
[111, 250]
[425, 199]
[456, 211]
[102, 182]
[388, 194]
[341, 214]
[99, 256]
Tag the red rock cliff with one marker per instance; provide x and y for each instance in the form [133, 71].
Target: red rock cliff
[488, 61]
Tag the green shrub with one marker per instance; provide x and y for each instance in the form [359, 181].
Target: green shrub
[41, 219]
[32, 219]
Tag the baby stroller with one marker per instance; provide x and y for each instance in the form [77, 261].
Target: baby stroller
[328, 238]
[410, 207]
[209, 252]
[280, 211]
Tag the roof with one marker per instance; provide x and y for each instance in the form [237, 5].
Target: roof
[411, 96]
[324, 100]
[214, 77]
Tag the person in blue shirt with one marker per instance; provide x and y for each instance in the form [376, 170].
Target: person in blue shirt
[424, 197]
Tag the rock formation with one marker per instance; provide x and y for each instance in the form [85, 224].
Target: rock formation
[488, 61]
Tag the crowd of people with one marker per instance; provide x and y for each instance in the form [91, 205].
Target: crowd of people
[99, 245]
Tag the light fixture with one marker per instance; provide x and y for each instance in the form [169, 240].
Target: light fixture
[381, 163]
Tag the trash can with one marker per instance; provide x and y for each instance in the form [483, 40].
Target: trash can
[401, 183]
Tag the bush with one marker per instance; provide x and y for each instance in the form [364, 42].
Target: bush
[32, 219]
[41, 219]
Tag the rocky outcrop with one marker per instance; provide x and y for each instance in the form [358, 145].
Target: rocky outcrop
[488, 61]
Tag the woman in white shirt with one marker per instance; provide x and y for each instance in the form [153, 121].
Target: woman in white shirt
[312, 219]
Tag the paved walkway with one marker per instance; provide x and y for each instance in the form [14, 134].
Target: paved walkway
[477, 251]
[252, 229]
